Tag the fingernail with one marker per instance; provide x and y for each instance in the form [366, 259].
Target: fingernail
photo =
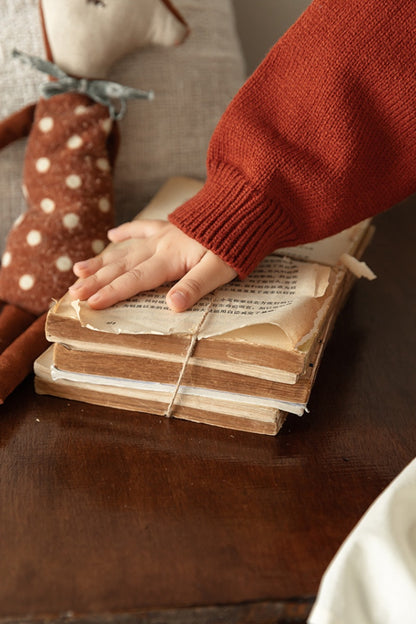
[81, 264]
[94, 298]
[112, 231]
[178, 300]
[75, 286]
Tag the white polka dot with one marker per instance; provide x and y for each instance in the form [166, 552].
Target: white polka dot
[47, 204]
[63, 263]
[104, 204]
[26, 282]
[70, 220]
[103, 164]
[6, 259]
[46, 124]
[33, 238]
[97, 246]
[24, 191]
[19, 220]
[73, 181]
[74, 141]
[81, 110]
[42, 164]
[106, 124]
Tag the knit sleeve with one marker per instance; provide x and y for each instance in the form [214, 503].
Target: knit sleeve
[322, 135]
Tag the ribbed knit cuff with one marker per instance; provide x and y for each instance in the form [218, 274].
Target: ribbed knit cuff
[234, 221]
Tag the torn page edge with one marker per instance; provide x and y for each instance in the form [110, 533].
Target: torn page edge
[357, 267]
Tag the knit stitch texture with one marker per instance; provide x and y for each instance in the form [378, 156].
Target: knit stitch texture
[321, 136]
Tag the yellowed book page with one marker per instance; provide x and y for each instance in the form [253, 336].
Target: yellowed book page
[330, 250]
[280, 292]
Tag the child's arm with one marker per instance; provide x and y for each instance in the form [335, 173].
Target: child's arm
[148, 254]
[321, 136]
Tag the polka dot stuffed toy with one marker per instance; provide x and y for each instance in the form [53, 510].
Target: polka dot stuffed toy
[70, 155]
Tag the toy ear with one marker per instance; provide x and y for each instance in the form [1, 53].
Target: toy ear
[169, 26]
[85, 38]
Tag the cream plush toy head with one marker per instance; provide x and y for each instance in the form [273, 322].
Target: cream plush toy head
[86, 37]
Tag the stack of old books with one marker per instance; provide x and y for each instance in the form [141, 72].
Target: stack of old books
[242, 358]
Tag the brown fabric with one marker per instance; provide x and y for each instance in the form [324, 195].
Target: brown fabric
[13, 321]
[16, 362]
[68, 187]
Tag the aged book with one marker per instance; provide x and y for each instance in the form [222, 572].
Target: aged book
[227, 410]
[261, 339]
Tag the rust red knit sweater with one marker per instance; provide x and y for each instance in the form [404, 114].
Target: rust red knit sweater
[321, 136]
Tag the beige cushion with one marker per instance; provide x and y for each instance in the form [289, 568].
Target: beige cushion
[168, 136]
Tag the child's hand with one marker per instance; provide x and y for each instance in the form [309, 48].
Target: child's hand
[148, 254]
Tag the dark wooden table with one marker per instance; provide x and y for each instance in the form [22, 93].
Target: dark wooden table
[110, 516]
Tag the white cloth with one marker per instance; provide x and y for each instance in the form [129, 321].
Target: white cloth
[372, 578]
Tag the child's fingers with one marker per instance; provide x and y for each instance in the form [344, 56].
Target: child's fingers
[202, 279]
[129, 252]
[146, 276]
[145, 255]
[86, 287]
[88, 267]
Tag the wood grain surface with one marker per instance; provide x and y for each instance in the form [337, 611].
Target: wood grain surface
[110, 516]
